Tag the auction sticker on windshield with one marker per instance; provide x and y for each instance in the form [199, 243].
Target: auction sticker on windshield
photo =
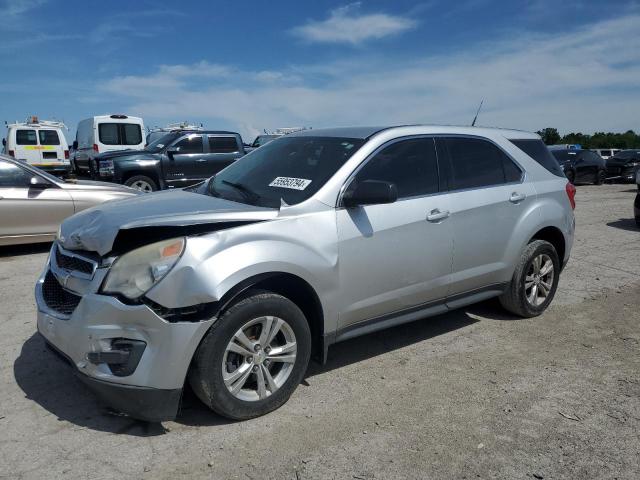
[291, 183]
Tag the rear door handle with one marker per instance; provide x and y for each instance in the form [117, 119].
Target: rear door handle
[436, 215]
[200, 160]
[517, 197]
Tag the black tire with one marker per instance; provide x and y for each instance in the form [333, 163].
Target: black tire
[205, 374]
[139, 180]
[571, 176]
[601, 176]
[514, 298]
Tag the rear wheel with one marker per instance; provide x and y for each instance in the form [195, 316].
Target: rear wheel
[142, 183]
[253, 357]
[534, 281]
[601, 176]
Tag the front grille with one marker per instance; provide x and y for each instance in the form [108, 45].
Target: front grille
[56, 297]
[73, 263]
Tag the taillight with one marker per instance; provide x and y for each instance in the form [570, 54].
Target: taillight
[571, 193]
[66, 154]
[95, 148]
[12, 153]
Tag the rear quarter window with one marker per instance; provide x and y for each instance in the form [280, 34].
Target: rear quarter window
[539, 152]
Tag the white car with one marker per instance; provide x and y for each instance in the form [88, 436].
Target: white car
[38, 143]
[106, 133]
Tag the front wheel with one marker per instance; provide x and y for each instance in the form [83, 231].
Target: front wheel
[601, 176]
[253, 357]
[571, 176]
[142, 183]
[534, 281]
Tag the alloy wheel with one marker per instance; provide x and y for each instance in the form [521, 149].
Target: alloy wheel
[142, 186]
[539, 279]
[259, 358]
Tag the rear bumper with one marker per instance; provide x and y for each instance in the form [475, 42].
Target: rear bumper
[144, 403]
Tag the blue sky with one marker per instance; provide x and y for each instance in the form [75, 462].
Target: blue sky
[250, 65]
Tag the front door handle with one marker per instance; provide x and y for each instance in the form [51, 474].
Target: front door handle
[200, 160]
[436, 215]
[517, 197]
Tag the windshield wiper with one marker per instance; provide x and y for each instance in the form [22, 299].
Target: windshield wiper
[246, 191]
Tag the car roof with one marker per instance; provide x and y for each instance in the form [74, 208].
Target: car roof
[367, 132]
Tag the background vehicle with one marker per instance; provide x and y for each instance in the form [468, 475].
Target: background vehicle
[106, 133]
[39, 143]
[312, 239]
[156, 133]
[636, 203]
[582, 166]
[269, 136]
[624, 165]
[178, 159]
[606, 153]
[34, 203]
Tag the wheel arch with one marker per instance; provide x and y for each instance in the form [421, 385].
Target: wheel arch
[555, 237]
[133, 172]
[291, 286]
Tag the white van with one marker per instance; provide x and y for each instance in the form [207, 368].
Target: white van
[39, 143]
[106, 133]
[606, 153]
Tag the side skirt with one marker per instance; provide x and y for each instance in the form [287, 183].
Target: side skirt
[411, 314]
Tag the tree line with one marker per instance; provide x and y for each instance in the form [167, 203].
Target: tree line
[628, 139]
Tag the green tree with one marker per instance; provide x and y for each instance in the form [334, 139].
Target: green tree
[550, 136]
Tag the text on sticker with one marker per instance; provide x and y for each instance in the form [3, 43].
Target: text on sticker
[292, 183]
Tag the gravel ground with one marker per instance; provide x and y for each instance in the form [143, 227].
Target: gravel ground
[471, 394]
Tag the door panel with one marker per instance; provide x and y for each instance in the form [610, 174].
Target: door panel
[392, 258]
[25, 210]
[223, 151]
[185, 165]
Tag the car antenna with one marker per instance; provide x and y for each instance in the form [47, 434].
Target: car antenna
[473, 124]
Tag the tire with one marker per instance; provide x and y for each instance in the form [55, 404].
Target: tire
[213, 356]
[142, 183]
[601, 176]
[515, 298]
[571, 176]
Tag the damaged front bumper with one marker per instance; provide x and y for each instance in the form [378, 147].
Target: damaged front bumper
[134, 360]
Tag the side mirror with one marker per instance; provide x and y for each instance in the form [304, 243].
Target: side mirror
[370, 192]
[39, 183]
[75, 144]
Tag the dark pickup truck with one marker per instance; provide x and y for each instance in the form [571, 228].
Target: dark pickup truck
[177, 159]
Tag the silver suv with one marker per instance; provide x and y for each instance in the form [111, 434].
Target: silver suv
[312, 239]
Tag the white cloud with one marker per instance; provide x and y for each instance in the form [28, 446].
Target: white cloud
[587, 79]
[347, 25]
[13, 8]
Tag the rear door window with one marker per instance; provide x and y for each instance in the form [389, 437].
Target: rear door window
[409, 164]
[223, 145]
[131, 134]
[538, 151]
[49, 137]
[108, 133]
[190, 144]
[26, 137]
[477, 163]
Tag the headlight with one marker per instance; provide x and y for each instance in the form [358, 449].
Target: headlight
[134, 273]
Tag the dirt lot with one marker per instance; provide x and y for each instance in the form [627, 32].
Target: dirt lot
[471, 394]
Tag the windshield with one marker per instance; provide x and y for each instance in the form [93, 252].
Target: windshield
[289, 169]
[156, 145]
[626, 154]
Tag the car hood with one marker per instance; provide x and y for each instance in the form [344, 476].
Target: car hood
[619, 162]
[90, 185]
[161, 214]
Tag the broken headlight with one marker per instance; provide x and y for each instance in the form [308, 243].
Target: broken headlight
[134, 273]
